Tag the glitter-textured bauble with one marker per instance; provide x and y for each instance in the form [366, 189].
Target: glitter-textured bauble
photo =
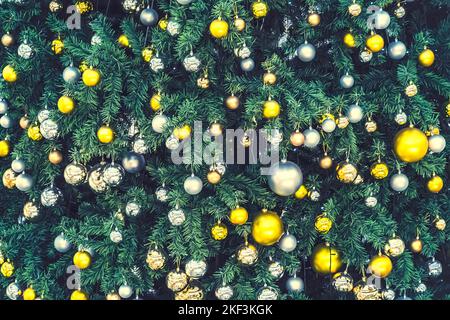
[434, 185]
[132, 209]
[349, 40]
[399, 182]
[176, 280]
[149, 17]
[75, 173]
[172, 143]
[125, 291]
[312, 138]
[13, 291]
[49, 129]
[176, 216]
[297, 138]
[371, 126]
[191, 63]
[365, 55]
[381, 19]
[400, 11]
[434, 268]
[173, 28]
[31, 211]
[271, 109]
[193, 291]
[25, 51]
[71, 74]
[7, 269]
[196, 268]
[79, 295]
[184, 2]
[232, 102]
[326, 259]
[347, 81]
[203, 82]
[313, 19]
[238, 216]
[269, 78]
[161, 194]
[7, 40]
[50, 196]
[95, 178]
[105, 134]
[239, 24]
[323, 224]
[267, 228]
[43, 115]
[306, 52]
[276, 269]
[91, 77]
[346, 172]
[394, 247]
[182, 132]
[96, 40]
[388, 294]
[367, 292]
[9, 74]
[57, 46]
[259, 9]
[267, 293]
[396, 50]
[285, 178]
[247, 64]
[159, 122]
[411, 90]
[380, 266]
[61, 244]
[193, 185]
[218, 28]
[379, 170]
[6, 121]
[4, 106]
[133, 162]
[113, 174]
[426, 58]
[354, 9]
[371, 201]
[132, 6]
[242, 52]
[84, 6]
[417, 245]
[66, 104]
[375, 43]
[436, 143]
[55, 157]
[247, 254]
[155, 259]
[342, 282]
[82, 259]
[9, 179]
[219, 231]
[55, 6]
[24, 182]
[410, 145]
[287, 243]
[295, 284]
[140, 146]
[147, 54]
[224, 292]
[328, 124]
[115, 236]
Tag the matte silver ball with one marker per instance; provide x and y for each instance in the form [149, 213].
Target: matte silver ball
[71, 74]
[294, 284]
[133, 162]
[287, 243]
[184, 2]
[159, 122]
[355, 113]
[3, 106]
[306, 52]
[347, 81]
[18, 165]
[193, 185]
[396, 50]
[149, 17]
[312, 138]
[6, 121]
[399, 182]
[436, 143]
[24, 182]
[381, 19]
[125, 291]
[247, 65]
[61, 244]
[285, 178]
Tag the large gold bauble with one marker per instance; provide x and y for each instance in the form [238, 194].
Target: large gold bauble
[82, 259]
[269, 78]
[57, 46]
[259, 9]
[79, 295]
[326, 259]
[435, 184]
[192, 292]
[313, 19]
[7, 269]
[105, 134]
[9, 74]
[267, 228]
[7, 40]
[426, 58]
[155, 102]
[410, 145]
[271, 109]
[34, 133]
[176, 280]
[155, 259]
[5, 148]
[323, 224]
[232, 102]
[326, 162]
[91, 77]
[239, 24]
[218, 28]
[238, 216]
[55, 157]
[349, 40]
[183, 132]
[379, 170]
[301, 193]
[375, 43]
[380, 266]
[247, 254]
[29, 294]
[417, 245]
[66, 104]
[219, 231]
[9, 179]
[346, 172]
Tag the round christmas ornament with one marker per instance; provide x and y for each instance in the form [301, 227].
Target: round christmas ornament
[349, 40]
[381, 19]
[399, 182]
[238, 216]
[123, 41]
[49, 129]
[380, 266]
[29, 294]
[125, 291]
[159, 122]
[365, 55]
[57, 46]
[388, 294]
[55, 6]
[285, 178]
[95, 178]
[216, 129]
[13, 291]
[113, 174]
[371, 202]
[24, 122]
[184, 2]
[55, 157]
[232, 102]
[43, 114]
[24, 182]
[375, 43]
[224, 292]
[295, 284]
[140, 146]
[247, 254]
[176, 280]
[9, 179]
[436, 143]
[31, 211]
[354, 9]
[301, 193]
[9, 74]
[396, 50]
[259, 9]
[75, 173]
[71, 74]
[6, 122]
[440, 224]
[66, 104]
[105, 134]
[183, 132]
[218, 28]
[133, 162]
[271, 109]
[7, 40]
[5, 148]
[417, 245]
[394, 247]
[7, 269]
[172, 143]
[79, 295]
[147, 54]
[82, 259]
[196, 268]
[132, 209]
[267, 293]
[113, 296]
[400, 11]
[326, 162]
[149, 17]
[4, 106]
[326, 259]
[379, 170]
[347, 81]
[84, 6]
[132, 6]
[155, 259]
[323, 224]
[411, 90]
[193, 291]
[61, 244]
[312, 138]
[192, 63]
[161, 194]
[434, 185]
[173, 28]
[239, 23]
[155, 102]
[313, 19]
[91, 77]
[371, 126]
[410, 145]
[219, 231]
[366, 291]
[346, 172]
[116, 236]
[306, 52]
[297, 138]
[247, 64]
[267, 228]
[242, 52]
[328, 123]
[269, 78]
[193, 185]
[50, 196]
[426, 58]
[342, 282]
[25, 51]
[287, 243]
[176, 216]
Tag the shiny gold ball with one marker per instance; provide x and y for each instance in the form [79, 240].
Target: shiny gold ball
[371, 126]
[9, 179]
[105, 134]
[297, 138]
[259, 9]
[239, 24]
[183, 132]
[29, 294]
[232, 102]
[5, 148]
[123, 41]
[155, 102]
[218, 28]
[219, 231]
[57, 46]
[79, 295]
[426, 58]
[34, 133]
[323, 224]
[213, 177]
[379, 170]
[410, 145]
[238, 216]
[91, 77]
[314, 19]
[326, 259]
[342, 122]
[269, 78]
[435, 184]
[394, 247]
[7, 269]
[271, 109]
[417, 245]
[380, 266]
[113, 296]
[66, 104]
[349, 40]
[301, 193]
[7, 40]
[375, 43]
[267, 228]
[354, 9]
[346, 172]
[82, 259]
[155, 259]
[55, 157]
[162, 24]
[326, 162]
[24, 122]
[147, 54]
[9, 74]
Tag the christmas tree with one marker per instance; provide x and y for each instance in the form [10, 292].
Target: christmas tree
[325, 122]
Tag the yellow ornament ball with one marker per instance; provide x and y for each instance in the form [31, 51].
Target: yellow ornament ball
[375, 43]
[379, 170]
[219, 231]
[218, 28]
[183, 132]
[9, 74]
[79, 295]
[162, 24]
[269, 78]
[301, 193]
[259, 9]
[326, 259]
[147, 54]
[5, 148]
[7, 269]
[271, 109]
[267, 228]
[417, 245]
[82, 259]
[66, 104]
[57, 46]
[435, 184]
[314, 19]
[105, 134]
[410, 145]
[349, 40]
[239, 216]
[123, 41]
[29, 294]
[380, 266]
[91, 77]
[323, 224]
[426, 58]
[155, 102]
[34, 133]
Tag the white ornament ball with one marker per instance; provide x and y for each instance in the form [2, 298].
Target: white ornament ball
[125, 291]
[371, 202]
[224, 293]
[18, 165]
[115, 236]
[347, 81]
[294, 284]
[285, 178]
[399, 182]
[396, 50]
[159, 122]
[247, 64]
[196, 268]
[193, 185]
[149, 17]
[61, 244]
[306, 52]
[436, 143]
[13, 291]
[381, 19]
[71, 74]
[312, 138]
[6, 121]
[328, 125]
[355, 113]
[3, 106]
[24, 182]
[176, 216]
[287, 243]
[184, 2]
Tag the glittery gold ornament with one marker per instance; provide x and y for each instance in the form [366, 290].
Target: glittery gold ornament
[147, 54]
[7, 269]
[183, 132]
[105, 134]
[79, 295]
[247, 254]
[259, 9]
[113, 296]
[193, 291]
[34, 132]
[367, 292]
[9, 74]
[342, 282]
[5, 148]
[411, 90]
[269, 78]
[371, 126]
[238, 216]
[66, 104]
[380, 266]
[326, 259]
[440, 224]
[435, 184]
[155, 259]
[232, 102]
[57, 46]
[203, 82]
[301, 193]
[155, 102]
[342, 122]
[410, 145]
[267, 228]
[55, 6]
[176, 280]
[91, 77]
[9, 179]
[394, 247]
[379, 170]
[218, 28]
[219, 231]
[323, 224]
[82, 259]
[346, 172]
[271, 109]
[349, 40]
[426, 58]
[375, 42]
[354, 9]
[162, 24]
[239, 24]
[213, 177]
[313, 19]
[84, 6]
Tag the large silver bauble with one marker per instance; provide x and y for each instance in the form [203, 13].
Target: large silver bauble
[149, 17]
[306, 52]
[50, 196]
[113, 174]
[49, 129]
[285, 178]
[6, 121]
[75, 173]
[295, 284]
[247, 65]
[312, 138]
[196, 268]
[18, 165]
[355, 113]
[396, 50]
[381, 20]
[184, 2]
[287, 243]
[71, 74]
[3, 106]
[399, 182]
[24, 182]
[436, 143]
[61, 244]
[193, 185]
[159, 122]
[133, 162]
[347, 81]
[125, 291]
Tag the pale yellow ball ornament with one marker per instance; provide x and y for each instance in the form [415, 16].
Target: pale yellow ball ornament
[9, 74]
[313, 19]
[435, 184]
[271, 109]
[380, 266]
[79, 295]
[375, 43]
[105, 134]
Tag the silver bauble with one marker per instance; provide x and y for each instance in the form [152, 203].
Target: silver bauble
[149, 17]
[242, 52]
[365, 55]
[96, 180]
[347, 81]
[224, 292]
[50, 196]
[371, 201]
[140, 146]
[306, 52]
[176, 216]
[355, 113]
[173, 28]
[43, 115]
[399, 182]
[285, 178]
[25, 51]
[113, 174]
[184, 2]
[18, 165]
[295, 284]
[276, 269]
[381, 20]
[133, 162]
[401, 118]
[132, 6]
[75, 173]
[267, 293]
[6, 121]
[159, 122]
[328, 125]
[193, 185]
[396, 50]
[287, 243]
[71, 74]
[61, 244]
[247, 65]
[24, 182]
[312, 138]
[125, 291]
[196, 268]
[115, 236]
[49, 129]
[191, 63]
[434, 267]
[436, 143]
[156, 64]
[13, 291]
[172, 143]
[3, 106]
[132, 209]
[161, 194]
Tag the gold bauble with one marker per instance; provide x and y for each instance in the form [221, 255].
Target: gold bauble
[155, 259]
[354, 9]
[113, 296]
[342, 122]
[7, 269]
[7, 40]
[271, 109]
[375, 43]
[349, 40]
[147, 54]
[183, 132]
[9, 179]
[371, 126]
[346, 172]
[435, 184]
[411, 90]
[247, 254]
[267, 228]
[440, 224]
[323, 224]
[5, 148]
[66, 104]
[162, 24]
[219, 231]
[79, 295]
[417, 245]
[447, 110]
[123, 41]
[238, 216]
[105, 134]
[426, 58]
[84, 6]
[34, 133]
[232, 102]
[313, 19]
[176, 280]
[55, 157]
[301, 193]
[203, 82]
[394, 247]
[380, 266]
[82, 259]
[367, 292]
[91, 77]
[410, 145]
[83, 66]
[9, 74]
[218, 28]
[379, 170]
[55, 6]
[239, 24]
[29, 294]
[155, 102]
[297, 138]
[269, 78]
[259, 9]
[57, 46]
[24, 122]
[192, 292]
[213, 177]
[326, 162]
[326, 259]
